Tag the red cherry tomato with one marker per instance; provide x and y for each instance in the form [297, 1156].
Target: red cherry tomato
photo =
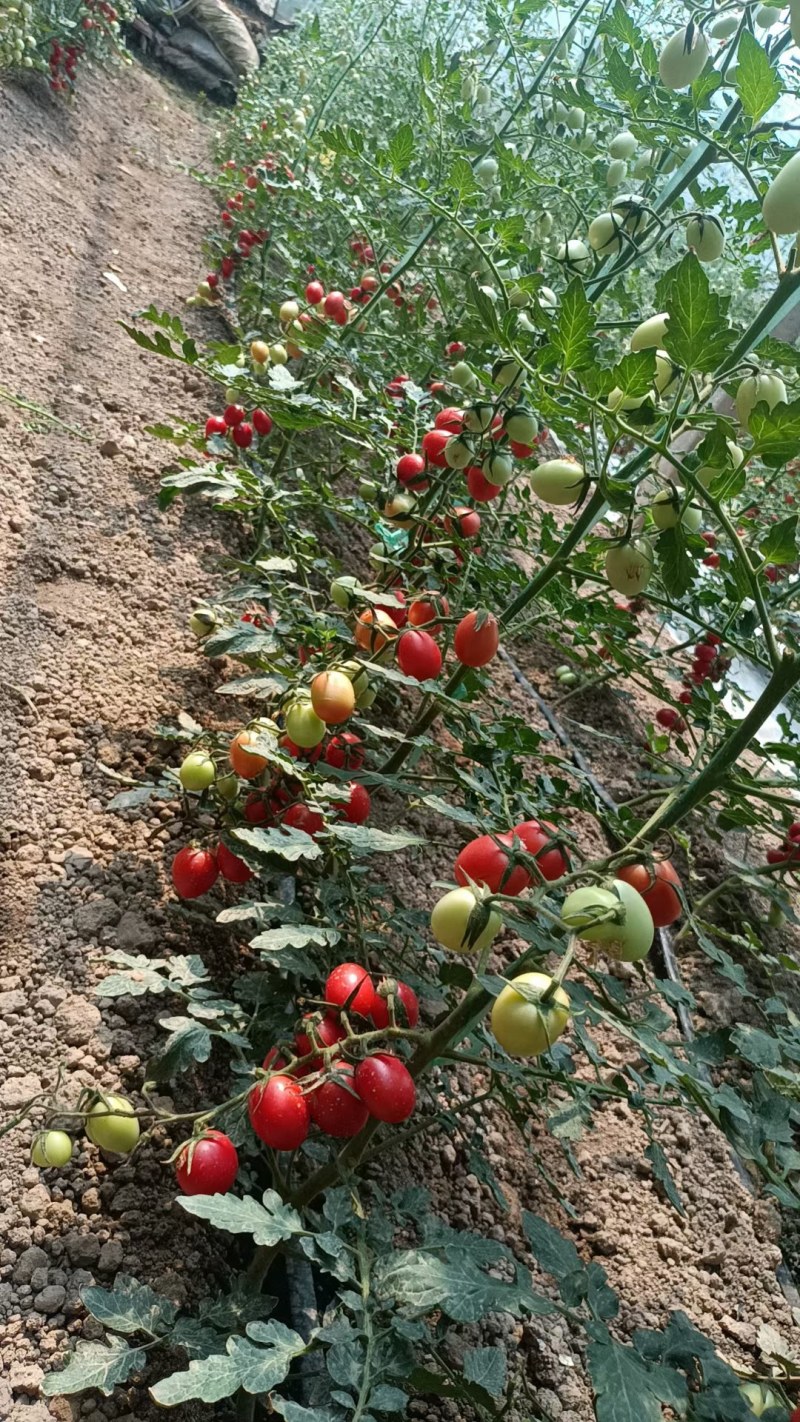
[300, 817]
[433, 443]
[215, 424]
[242, 434]
[479, 487]
[345, 752]
[468, 521]
[552, 860]
[399, 615]
[262, 422]
[350, 986]
[406, 1008]
[476, 639]
[449, 419]
[656, 888]
[234, 414]
[334, 304]
[279, 1112]
[356, 809]
[335, 1106]
[410, 468]
[256, 808]
[425, 609]
[231, 867]
[485, 862]
[209, 1167]
[327, 1031]
[194, 871]
[315, 293]
[419, 656]
[386, 1087]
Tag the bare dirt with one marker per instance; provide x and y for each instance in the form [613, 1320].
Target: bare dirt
[93, 653]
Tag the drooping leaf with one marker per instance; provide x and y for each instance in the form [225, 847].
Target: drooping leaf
[245, 1364]
[102, 1366]
[487, 1367]
[129, 1307]
[187, 1044]
[553, 1253]
[698, 336]
[663, 1175]
[780, 544]
[362, 840]
[268, 1223]
[289, 844]
[677, 567]
[627, 1388]
[576, 319]
[757, 82]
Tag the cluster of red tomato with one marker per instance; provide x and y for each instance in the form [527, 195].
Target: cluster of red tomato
[709, 664]
[63, 63]
[789, 851]
[241, 430]
[364, 253]
[100, 7]
[456, 441]
[418, 654]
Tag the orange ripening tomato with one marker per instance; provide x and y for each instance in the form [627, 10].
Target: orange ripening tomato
[246, 763]
[333, 697]
[656, 888]
[374, 629]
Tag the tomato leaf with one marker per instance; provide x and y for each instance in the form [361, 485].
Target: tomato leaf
[780, 544]
[424, 1281]
[629, 1389]
[678, 569]
[487, 1368]
[95, 1365]
[294, 936]
[576, 319]
[373, 841]
[267, 1223]
[697, 336]
[556, 1255]
[188, 1043]
[776, 432]
[401, 148]
[663, 1175]
[757, 83]
[289, 844]
[244, 1365]
[129, 1307]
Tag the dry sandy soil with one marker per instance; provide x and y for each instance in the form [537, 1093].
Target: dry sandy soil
[93, 653]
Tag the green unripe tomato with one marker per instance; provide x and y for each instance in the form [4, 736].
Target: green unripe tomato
[463, 377]
[631, 210]
[616, 172]
[459, 452]
[683, 58]
[651, 332]
[303, 725]
[667, 374]
[645, 164]
[617, 399]
[558, 481]
[767, 16]
[569, 678]
[666, 507]
[357, 674]
[604, 234]
[289, 311]
[613, 914]
[519, 298]
[543, 225]
[591, 913]
[483, 96]
[478, 417]
[342, 591]
[469, 85]
[707, 473]
[197, 772]
[781, 207]
[547, 298]
[112, 1125]
[766, 387]
[623, 145]
[575, 118]
[202, 623]
[278, 355]
[521, 425]
[634, 936]
[506, 372]
[563, 671]
[759, 1398]
[629, 566]
[228, 787]
[498, 467]
[522, 1023]
[705, 237]
[450, 920]
[486, 172]
[51, 1148]
[575, 255]
[724, 26]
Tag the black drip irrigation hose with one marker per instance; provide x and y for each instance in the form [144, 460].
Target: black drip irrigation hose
[664, 952]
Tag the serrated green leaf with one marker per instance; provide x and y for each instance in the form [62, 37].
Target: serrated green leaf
[401, 148]
[423, 1281]
[487, 1368]
[260, 687]
[452, 812]
[129, 1307]
[268, 1223]
[244, 639]
[635, 373]
[187, 1044]
[677, 567]
[294, 936]
[133, 984]
[780, 544]
[663, 1174]
[373, 841]
[697, 336]
[776, 432]
[576, 318]
[553, 1253]
[245, 1364]
[100, 1366]
[756, 1046]
[197, 1339]
[757, 82]
[289, 844]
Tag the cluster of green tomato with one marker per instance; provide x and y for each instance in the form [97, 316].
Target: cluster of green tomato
[111, 1124]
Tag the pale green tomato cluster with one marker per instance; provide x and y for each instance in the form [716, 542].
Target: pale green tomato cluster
[111, 1124]
[18, 39]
